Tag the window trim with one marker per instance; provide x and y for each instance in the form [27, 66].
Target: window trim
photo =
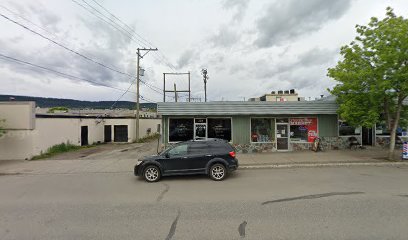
[338, 131]
[380, 135]
[232, 126]
[250, 129]
[168, 127]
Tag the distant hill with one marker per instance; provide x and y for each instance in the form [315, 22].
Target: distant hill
[76, 104]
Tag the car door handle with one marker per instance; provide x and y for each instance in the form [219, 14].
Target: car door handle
[208, 155]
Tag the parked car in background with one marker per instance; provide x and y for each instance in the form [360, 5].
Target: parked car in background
[214, 157]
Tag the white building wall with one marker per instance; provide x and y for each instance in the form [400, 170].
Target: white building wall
[17, 142]
[28, 136]
[146, 124]
[125, 121]
[52, 131]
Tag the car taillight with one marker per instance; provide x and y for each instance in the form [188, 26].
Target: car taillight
[232, 154]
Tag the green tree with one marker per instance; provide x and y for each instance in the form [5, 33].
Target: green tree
[373, 75]
[61, 109]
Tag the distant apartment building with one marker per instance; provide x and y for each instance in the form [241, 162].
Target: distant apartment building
[279, 96]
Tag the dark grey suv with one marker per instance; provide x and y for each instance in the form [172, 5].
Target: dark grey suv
[214, 157]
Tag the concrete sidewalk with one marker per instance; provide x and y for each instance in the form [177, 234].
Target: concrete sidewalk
[369, 155]
[122, 158]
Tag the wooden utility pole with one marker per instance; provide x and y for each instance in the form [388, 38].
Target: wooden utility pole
[175, 92]
[205, 78]
[137, 87]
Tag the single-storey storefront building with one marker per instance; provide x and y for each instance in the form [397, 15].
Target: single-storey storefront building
[269, 126]
[254, 126]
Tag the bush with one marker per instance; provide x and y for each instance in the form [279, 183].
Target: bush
[2, 131]
[148, 138]
[60, 109]
[57, 149]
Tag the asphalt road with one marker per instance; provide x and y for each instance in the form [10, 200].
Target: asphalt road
[301, 203]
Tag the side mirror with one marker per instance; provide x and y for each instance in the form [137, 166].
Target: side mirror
[167, 155]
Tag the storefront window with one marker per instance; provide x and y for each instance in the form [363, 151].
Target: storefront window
[219, 128]
[347, 130]
[303, 129]
[180, 129]
[381, 129]
[262, 129]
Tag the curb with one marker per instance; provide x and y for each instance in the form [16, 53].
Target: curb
[312, 165]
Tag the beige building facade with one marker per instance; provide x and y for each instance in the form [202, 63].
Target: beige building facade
[28, 134]
[279, 96]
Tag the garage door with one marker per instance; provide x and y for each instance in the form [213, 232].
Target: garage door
[121, 133]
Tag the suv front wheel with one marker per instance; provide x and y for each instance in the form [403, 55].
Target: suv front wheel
[218, 172]
[151, 173]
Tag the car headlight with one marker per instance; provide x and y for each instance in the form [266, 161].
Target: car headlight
[139, 162]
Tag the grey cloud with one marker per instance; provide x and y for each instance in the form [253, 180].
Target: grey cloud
[108, 47]
[186, 58]
[236, 68]
[239, 6]
[286, 20]
[303, 73]
[226, 37]
[317, 56]
[303, 78]
[266, 68]
[47, 18]
[109, 37]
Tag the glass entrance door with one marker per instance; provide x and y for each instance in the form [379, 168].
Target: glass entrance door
[200, 131]
[282, 137]
[200, 128]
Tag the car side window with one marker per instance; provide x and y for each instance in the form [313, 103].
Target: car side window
[178, 150]
[218, 148]
[198, 148]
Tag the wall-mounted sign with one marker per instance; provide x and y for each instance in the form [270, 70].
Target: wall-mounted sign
[301, 121]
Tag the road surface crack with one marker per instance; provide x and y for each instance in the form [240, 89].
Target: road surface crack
[241, 229]
[173, 227]
[161, 195]
[314, 196]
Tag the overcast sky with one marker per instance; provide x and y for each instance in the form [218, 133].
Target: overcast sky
[250, 47]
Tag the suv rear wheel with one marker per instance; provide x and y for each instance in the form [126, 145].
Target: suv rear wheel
[151, 173]
[218, 172]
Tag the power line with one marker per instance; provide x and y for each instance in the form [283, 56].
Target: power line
[102, 17]
[77, 53]
[27, 20]
[66, 75]
[128, 27]
[121, 96]
[163, 59]
[59, 73]
[64, 47]
[160, 57]
[36, 25]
